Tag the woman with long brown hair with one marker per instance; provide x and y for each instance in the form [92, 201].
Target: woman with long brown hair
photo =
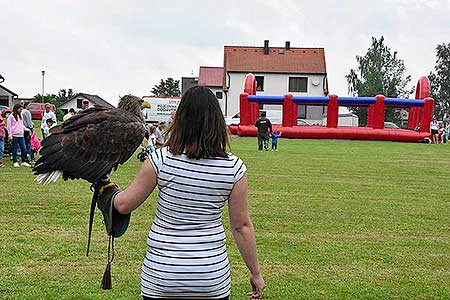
[16, 134]
[186, 254]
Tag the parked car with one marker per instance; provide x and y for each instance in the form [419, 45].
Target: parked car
[302, 122]
[36, 109]
[2, 108]
[233, 119]
[275, 117]
[391, 125]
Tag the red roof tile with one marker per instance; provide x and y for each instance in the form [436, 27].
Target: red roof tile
[210, 76]
[279, 60]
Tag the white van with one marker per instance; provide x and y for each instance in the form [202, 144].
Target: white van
[345, 118]
[160, 109]
[275, 117]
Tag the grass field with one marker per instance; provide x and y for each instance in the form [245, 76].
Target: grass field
[334, 220]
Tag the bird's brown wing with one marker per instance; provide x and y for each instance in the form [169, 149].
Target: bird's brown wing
[90, 144]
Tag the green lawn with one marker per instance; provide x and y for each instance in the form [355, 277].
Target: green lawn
[333, 219]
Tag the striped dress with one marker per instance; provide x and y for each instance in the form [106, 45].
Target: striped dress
[186, 254]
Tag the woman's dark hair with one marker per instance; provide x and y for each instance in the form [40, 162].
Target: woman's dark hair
[16, 113]
[198, 129]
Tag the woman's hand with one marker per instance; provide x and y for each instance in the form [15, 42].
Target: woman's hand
[258, 286]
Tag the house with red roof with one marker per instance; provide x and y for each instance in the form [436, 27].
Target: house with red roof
[212, 77]
[278, 70]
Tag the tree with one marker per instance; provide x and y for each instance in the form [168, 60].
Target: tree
[380, 71]
[64, 94]
[440, 80]
[167, 88]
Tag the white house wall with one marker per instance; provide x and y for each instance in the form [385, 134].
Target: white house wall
[274, 84]
[9, 95]
[73, 104]
[221, 101]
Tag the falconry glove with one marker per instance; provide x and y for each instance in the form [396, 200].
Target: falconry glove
[116, 223]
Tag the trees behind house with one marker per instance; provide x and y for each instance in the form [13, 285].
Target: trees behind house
[440, 80]
[379, 71]
[167, 88]
[64, 95]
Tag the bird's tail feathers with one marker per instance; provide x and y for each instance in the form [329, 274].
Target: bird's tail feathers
[49, 177]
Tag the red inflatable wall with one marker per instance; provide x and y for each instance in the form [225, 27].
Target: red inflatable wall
[418, 116]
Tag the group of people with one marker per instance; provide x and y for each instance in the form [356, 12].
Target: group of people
[20, 133]
[155, 136]
[265, 132]
[440, 131]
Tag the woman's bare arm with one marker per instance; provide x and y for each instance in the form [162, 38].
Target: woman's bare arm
[244, 235]
[142, 186]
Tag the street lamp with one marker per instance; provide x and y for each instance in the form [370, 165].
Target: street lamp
[43, 73]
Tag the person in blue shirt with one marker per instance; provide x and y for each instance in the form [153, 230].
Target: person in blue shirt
[275, 135]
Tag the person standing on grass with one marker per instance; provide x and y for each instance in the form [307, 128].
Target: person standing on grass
[275, 136]
[434, 129]
[2, 141]
[48, 114]
[28, 129]
[48, 125]
[186, 251]
[16, 131]
[264, 128]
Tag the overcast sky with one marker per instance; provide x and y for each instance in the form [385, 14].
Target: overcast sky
[112, 48]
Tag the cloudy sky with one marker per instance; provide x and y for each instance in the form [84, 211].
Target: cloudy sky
[112, 48]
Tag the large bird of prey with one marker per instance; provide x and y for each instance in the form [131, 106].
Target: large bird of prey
[92, 143]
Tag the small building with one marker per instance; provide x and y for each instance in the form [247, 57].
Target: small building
[187, 83]
[7, 96]
[76, 101]
[212, 78]
[278, 70]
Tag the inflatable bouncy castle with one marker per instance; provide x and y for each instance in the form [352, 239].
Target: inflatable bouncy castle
[419, 117]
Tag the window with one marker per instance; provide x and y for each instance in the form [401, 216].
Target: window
[34, 106]
[4, 100]
[301, 112]
[79, 103]
[298, 84]
[259, 83]
[219, 95]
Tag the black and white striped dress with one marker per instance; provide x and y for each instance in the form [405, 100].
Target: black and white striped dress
[186, 255]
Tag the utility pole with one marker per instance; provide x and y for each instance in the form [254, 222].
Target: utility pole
[43, 74]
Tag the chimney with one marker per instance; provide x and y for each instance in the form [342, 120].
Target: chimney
[288, 45]
[266, 47]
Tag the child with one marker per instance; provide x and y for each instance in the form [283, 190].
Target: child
[49, 123]
[275, 135]
[152, 139]
[35, 143]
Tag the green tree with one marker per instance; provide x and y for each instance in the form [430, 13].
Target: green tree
[167, 88]
[379, 71]
[440, 80]
[64, 94]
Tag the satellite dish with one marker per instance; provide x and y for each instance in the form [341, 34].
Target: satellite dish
[315, 82]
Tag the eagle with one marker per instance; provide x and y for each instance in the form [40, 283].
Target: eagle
[92, 143]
